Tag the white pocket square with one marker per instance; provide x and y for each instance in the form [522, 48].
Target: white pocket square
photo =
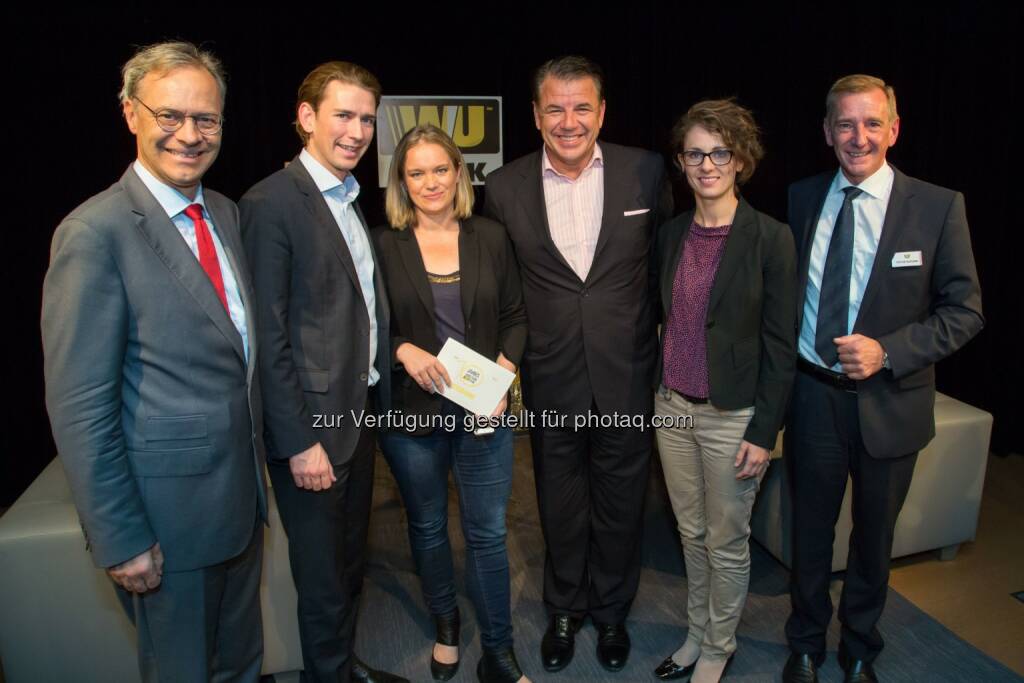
[635, 212]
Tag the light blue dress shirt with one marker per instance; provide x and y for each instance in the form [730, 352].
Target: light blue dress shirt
[868, 218]
[339, 196]
[174, 203]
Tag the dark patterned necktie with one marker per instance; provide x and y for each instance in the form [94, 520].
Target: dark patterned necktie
[834, 299]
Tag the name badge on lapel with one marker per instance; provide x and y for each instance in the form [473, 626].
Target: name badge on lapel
[906, 259]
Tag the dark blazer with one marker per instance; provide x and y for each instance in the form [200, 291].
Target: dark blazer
[751, 321]
[314, 327]
[589, 341]
[492, 302]
[918, 314]
[155, 411]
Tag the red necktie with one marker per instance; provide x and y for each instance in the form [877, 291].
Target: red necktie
[207, 252]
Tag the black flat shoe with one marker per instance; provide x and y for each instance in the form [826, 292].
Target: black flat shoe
[364, 674]
[447, 634]
[498, 666]
[612, 646]
[670, 671]
[559, 642]
[800, 668]
[856, 670]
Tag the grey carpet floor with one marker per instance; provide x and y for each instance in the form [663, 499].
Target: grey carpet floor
[396, 632]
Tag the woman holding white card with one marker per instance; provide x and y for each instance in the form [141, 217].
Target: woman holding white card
[450, 274]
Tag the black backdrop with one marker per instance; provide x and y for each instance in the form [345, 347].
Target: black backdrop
[954, 68]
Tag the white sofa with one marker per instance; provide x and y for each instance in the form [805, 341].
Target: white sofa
[60, 620]
[941, 510]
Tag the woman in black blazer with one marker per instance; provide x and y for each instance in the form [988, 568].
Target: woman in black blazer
[450, 274]
[728, 349]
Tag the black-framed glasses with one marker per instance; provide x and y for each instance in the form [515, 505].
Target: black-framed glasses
[171, 120]
[695, 157]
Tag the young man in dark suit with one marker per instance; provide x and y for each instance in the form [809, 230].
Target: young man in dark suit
[325, 358]
[887, 288]
[582, 216]
[151, 383]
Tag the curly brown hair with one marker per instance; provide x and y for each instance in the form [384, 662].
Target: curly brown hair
[726, 118]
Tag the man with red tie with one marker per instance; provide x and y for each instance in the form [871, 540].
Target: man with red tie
[150, 381]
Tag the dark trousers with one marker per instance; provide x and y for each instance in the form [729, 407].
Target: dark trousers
[482, 466]
[204, 624]
[590, 494]
[823, 447]
[327, 550]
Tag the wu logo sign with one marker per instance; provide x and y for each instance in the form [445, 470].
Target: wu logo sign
[474, 123]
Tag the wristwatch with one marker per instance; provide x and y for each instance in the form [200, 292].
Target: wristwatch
[885, 360]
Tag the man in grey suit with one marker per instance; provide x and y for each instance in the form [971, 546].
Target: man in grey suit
[151, 385]
[887, 287]
[324, 357]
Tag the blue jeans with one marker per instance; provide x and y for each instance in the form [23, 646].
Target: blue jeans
[483, 476]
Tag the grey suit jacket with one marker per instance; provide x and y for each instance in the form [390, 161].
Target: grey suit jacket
[919, 314]
[314, 327]
[154, 409]
[591, 341]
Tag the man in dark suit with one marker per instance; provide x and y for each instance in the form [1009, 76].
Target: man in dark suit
[582, 217]
[324, 357]
[150, 364]
[887, 287]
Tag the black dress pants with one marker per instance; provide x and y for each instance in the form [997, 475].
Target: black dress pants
[327, 551]
[823, 448]
[590, 494]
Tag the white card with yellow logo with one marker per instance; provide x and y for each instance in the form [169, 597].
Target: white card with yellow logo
[478, 383]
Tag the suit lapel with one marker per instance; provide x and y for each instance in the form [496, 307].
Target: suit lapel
[412, 259]
[737, 242]
[668, 277]
[324, 219]
[810, 205]
[469, 266]
[896, 215]
[158, 230]
[614, 201]
[227, 230]
[531, 195]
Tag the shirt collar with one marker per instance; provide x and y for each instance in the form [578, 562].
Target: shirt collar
[326, 181]
[170, 199]
[596, 161]
[877, 185]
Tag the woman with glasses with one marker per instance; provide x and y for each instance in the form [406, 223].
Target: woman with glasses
[450, 274]
[728, 347]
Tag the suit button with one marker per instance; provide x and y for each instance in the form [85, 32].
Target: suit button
[469, 326]
[709, 324]
[584, 292]
[363, 377]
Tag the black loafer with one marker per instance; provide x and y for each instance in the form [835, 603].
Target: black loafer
[559, 642]
[800, 668]
[670, 671]
[857, 670]
[612, 646]
[447, 627]
[364, 674]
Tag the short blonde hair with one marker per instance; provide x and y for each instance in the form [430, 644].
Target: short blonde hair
[399, 207]
[856, 83]
[162, 58]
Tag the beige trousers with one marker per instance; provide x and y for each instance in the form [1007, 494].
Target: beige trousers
[712, 511]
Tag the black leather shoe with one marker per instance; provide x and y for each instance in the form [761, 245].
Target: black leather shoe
[800, 668]
[498, 666]
[612, 646]
[447, 634]
[857, 670]
[559, 642]
[361, 672]
[670, 671]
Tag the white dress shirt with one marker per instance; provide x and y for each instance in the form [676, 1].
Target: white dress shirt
[574, 209]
